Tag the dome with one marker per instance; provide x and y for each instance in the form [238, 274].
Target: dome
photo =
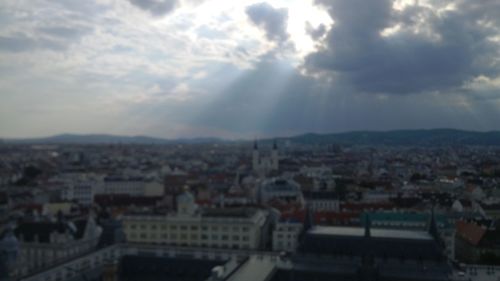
[185, 198]
[281, 185]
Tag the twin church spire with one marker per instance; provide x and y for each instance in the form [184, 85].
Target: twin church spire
[264, 165]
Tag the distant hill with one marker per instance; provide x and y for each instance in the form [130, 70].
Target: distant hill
[91, 139]
[398, 137]
[431, 137]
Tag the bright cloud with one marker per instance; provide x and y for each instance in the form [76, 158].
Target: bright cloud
[244, 68]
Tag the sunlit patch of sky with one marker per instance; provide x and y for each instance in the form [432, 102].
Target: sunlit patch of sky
[116, 66]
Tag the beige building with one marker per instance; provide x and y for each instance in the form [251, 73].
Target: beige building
[240, 228]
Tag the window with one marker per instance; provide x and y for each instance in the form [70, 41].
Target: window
[133, 226]
[173, 227]
[204, 237]
[215, 237]
[245, 238]
[183, 227]
[215, 228]
[194, 227]
[235, 228]
[236, 238]
[204, 228]
[194, 236]
[245, 228]
[224, 237]
[153, 227]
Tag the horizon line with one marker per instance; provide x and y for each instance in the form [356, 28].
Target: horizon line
[239, 138]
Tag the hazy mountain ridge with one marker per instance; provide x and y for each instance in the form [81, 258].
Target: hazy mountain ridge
[404, 137]
[395, 137]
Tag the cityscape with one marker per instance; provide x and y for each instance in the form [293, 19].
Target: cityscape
[249, 140]
[272, 209]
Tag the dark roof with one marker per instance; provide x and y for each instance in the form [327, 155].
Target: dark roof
[155, 268]
[320, 195]
[126, 200]
[470, 232]
[229, 212]
[382, 243]
[4, 198]
[43, 230]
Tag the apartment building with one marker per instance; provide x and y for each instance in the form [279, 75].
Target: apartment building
[235, 228]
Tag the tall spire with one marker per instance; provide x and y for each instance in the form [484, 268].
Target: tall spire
[432, 228]
[309, 218]
[368, 224]
[255, 147]
[275, 146]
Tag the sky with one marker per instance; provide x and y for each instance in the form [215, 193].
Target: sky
[246, 68]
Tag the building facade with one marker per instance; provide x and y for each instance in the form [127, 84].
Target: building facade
[286, 236]
[238, 228]
[45, 243]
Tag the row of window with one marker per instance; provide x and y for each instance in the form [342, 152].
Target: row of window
[184, 236]
[185, 227]
[289, 236]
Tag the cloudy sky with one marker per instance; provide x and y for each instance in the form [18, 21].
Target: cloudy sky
[246, 68]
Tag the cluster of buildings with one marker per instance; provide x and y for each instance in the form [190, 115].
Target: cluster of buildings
[243, 212]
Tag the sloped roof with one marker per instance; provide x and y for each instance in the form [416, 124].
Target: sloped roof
[470, 232]
[43, 230]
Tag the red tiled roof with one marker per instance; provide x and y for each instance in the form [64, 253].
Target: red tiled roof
[470, 232]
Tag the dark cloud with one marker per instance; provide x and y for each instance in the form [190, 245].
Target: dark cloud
[273, 98]
[156, 8]
[315, 33]
[272, 21]
[431, 51]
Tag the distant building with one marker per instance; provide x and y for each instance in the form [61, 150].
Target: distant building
[264, 165]
[9, 251]
[135, 186]
[279, 189]
[79, 187]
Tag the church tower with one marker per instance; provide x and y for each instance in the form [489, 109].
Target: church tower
[255, 156]
[274, 157]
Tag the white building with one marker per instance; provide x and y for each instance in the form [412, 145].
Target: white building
[80, 187]
[324, 204]
[240, 228]
[133, 186]
[286, 236]
[43, 244]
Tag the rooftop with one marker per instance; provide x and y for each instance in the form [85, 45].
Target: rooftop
[374, 232]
